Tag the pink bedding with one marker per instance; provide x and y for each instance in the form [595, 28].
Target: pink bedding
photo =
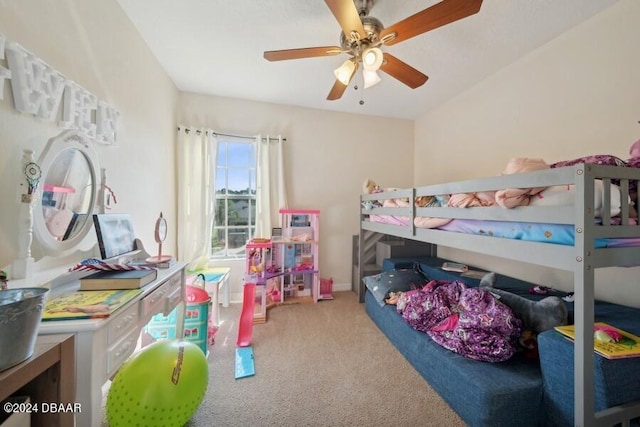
[550, 196]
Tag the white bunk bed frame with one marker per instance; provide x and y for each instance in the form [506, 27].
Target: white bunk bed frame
[581, 258]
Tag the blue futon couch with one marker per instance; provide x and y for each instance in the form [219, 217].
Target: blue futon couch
[524, 390]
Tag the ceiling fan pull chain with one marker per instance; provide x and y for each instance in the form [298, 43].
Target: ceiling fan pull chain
[360, 76]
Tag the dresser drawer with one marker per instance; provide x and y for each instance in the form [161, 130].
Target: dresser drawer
[122, 324]
[120, 351]
[156, 300]
[173, 299]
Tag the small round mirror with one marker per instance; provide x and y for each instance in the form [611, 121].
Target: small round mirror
[161, 229]
[160, 235]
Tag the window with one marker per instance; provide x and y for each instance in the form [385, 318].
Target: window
[235, 199]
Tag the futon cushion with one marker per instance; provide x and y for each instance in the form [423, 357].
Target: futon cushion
[483, 394]
[616, 380]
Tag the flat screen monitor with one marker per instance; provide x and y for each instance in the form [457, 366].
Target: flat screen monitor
[115, 234]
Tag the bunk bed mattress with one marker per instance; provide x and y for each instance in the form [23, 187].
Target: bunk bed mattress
[561, 234]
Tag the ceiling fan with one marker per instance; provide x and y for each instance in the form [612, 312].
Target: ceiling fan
[362, 35]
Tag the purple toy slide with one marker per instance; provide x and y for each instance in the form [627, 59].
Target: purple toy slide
[245, 327]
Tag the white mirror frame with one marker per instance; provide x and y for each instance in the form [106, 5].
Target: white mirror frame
[70, 139]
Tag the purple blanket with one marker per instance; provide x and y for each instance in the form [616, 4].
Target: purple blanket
[467, 321]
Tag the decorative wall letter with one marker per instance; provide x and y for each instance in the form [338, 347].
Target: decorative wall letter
[37, 87]
[106, 123]
[77, 112]
[4, 72]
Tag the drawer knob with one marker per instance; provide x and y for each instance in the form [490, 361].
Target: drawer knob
[124, 347]
[127, 319]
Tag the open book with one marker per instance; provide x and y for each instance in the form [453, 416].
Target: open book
[609, 341]
[87, 304]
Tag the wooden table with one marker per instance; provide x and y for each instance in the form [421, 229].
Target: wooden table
[48, 377]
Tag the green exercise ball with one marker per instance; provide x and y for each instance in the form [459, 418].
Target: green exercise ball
[161, 385]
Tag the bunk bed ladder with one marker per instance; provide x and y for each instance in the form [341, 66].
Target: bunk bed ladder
[371, 239]
[367, 240]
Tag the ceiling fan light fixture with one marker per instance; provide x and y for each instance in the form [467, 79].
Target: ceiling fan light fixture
[371, 78]
[344, 72]
[372, 59]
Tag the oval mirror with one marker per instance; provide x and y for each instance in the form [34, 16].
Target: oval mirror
[160, 235]
[161, 229]
[67, 192]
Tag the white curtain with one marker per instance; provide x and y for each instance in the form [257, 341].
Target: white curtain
[270, 186]
[197, 155]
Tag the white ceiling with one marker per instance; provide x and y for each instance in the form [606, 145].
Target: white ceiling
[215, 47]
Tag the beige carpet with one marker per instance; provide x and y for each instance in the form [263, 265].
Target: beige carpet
[323, 364]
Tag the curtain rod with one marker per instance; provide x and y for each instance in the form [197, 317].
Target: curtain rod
[198, 131]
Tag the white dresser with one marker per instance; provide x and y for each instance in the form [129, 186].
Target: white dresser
[102, 345]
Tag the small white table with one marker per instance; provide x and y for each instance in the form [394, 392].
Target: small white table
[214, 288]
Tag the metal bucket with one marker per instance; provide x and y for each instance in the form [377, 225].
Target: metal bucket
[20, 315]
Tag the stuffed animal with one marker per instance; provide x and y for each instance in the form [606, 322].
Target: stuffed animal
[369, 187]
[634, 151]
[426, 201]
[536, 316]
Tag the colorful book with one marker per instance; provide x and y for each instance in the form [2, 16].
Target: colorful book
[87, 304]
[609, 341]
[113, 279]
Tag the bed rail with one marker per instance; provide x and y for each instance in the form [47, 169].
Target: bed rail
[582, 176]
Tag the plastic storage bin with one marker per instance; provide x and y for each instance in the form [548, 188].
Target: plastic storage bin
[196, 320]
[196, 324]
[326, 288]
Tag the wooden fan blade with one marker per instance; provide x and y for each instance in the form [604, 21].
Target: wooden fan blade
[347, 15]
[402, 71]
[443, 13]
[338, 88]
[307, 52]
[336, 91]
